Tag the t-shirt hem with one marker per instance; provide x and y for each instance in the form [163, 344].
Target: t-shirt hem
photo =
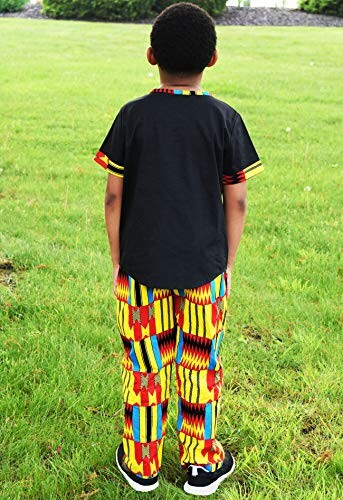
[148, 283]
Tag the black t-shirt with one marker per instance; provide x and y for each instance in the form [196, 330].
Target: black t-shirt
[174, 150]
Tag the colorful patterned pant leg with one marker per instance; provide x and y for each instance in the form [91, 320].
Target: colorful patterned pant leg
[147, 328]
[199, 372]
[150, 321]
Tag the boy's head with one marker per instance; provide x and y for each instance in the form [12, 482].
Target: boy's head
[183, 40]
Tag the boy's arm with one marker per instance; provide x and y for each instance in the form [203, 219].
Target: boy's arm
[241, 162]
[112, 205]
[111, 157]
[235, 209]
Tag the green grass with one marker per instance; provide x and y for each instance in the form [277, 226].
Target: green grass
[61, 412]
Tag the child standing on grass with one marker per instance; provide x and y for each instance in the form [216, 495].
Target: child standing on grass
[175, 207]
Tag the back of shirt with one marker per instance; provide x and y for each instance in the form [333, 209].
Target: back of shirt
[175, 149]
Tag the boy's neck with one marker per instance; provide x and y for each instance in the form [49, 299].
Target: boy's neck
[180, 82]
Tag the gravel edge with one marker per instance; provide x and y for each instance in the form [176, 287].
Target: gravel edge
[233, 16]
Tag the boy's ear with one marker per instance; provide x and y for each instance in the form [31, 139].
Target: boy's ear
[150, 56]
[214, 58]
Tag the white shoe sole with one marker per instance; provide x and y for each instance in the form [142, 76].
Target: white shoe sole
[133, 484]
[211, 488]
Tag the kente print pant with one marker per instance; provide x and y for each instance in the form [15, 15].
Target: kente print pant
[160, 328]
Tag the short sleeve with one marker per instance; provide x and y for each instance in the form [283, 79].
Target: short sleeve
[111, 154]
[241, 160]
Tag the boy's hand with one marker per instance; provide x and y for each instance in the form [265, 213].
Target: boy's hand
[228, 281]
[116, 268]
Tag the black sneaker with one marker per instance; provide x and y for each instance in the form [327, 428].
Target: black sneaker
[136, 482]
[202, 482]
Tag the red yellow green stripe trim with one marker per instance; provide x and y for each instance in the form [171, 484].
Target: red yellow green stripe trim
[253, 169]
[244, 174]
[180, 91]
[112, 167]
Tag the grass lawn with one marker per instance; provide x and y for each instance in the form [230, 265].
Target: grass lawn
[61, 413]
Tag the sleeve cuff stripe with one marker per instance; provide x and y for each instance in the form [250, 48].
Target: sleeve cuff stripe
[235, 178]
[244, 174]
[225, 181]
[258, 162]
[115, 173]
[252, 166]
[240, 173]
[108, 164]
[115, 170]
[253, 170]
[115, 165]
[100, 161]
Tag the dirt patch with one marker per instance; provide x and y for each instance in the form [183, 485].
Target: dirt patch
[6, 273]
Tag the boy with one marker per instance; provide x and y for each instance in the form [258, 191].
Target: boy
[174, 156]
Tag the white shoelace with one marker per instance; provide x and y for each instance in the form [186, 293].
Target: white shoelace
[195, 469]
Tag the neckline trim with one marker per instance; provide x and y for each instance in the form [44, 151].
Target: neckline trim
[180, 91]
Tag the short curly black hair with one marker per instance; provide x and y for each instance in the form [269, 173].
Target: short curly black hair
[183, 38]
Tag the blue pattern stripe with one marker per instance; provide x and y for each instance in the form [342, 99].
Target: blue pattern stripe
[135, 423]
[156, 350]
[208, 421]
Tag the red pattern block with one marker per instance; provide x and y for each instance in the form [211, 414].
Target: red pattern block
[178, 382]
[143, 388]
[211, 449]
[143, 312]
[215, 312]
[177, 303]
[147, 460]
[178, 310]
[215, 382]
[98, 159]
[218, 312]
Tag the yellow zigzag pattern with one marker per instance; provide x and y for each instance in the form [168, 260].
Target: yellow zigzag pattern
[192, 428]
[201, 297]
[194, 361]
[128, 431]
